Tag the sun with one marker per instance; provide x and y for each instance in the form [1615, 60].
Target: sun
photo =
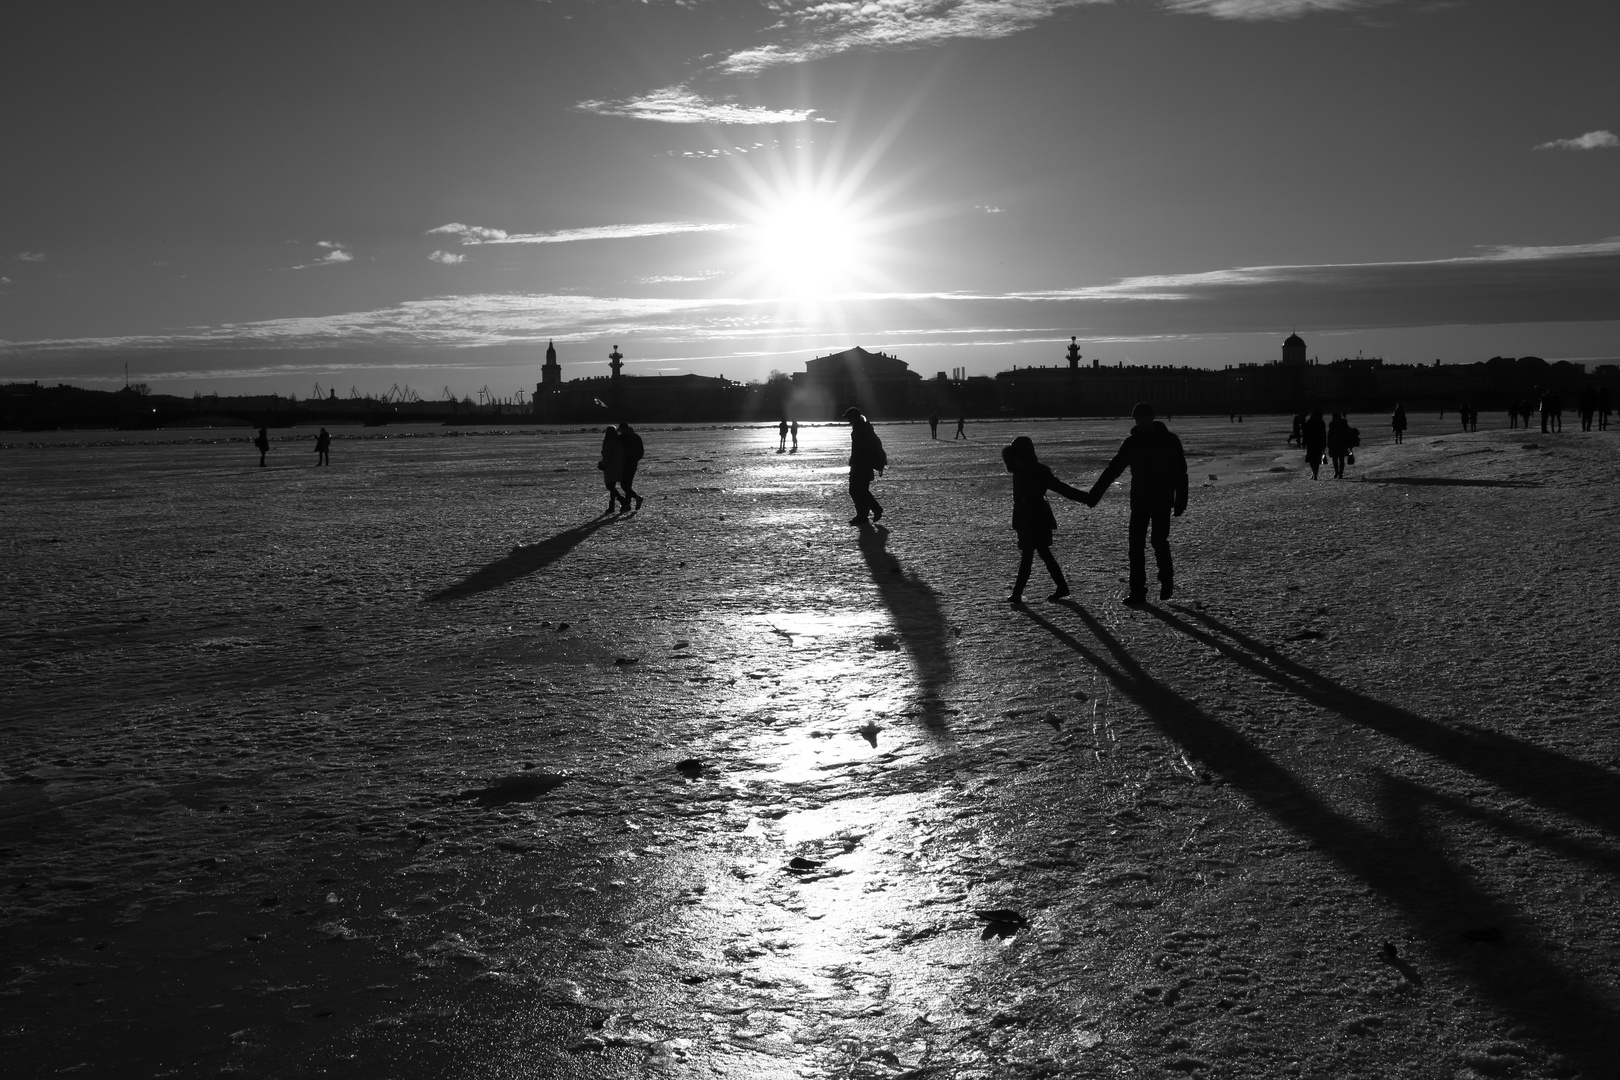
[807, 245]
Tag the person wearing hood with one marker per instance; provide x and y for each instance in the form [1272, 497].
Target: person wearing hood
[1158, 490]
[866, 456]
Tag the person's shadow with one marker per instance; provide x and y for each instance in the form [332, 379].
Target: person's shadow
[918, 621]
[521, 562]
[1399, 855]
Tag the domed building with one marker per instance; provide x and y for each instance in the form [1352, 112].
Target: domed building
[1294, 351]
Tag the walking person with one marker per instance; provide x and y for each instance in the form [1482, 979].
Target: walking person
[1158, 490]
[1587, 403]
[1398, 423]
[1546, 408]
[1032, 519]
[612, 466]
[961, 428]
[793, 431]
[263, 443]
[933, 425]
[866, 456]
[1339, 442]
[633, 451]
[1315, 442]
[1603, 407]
[323, 448]
[782, 433]
[1298, 430]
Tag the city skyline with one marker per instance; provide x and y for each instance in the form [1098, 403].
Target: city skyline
[265, 198]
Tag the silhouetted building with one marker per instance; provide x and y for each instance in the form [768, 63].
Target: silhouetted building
[879, 384]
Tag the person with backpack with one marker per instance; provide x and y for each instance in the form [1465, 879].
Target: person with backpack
[866, 456]
[263, 444]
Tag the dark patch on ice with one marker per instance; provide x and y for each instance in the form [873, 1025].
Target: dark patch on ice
[513, 788]
[691, 768]
[799, 865]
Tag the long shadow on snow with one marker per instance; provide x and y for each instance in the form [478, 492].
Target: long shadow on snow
[1442, 481]
[1408, 866]
[918, 621]
[523, 561]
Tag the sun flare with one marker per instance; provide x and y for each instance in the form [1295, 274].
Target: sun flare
[806, 245]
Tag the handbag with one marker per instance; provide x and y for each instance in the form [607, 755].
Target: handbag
[1351, 459]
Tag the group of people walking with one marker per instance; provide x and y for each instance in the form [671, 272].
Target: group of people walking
[622, 451]
[1334, 440]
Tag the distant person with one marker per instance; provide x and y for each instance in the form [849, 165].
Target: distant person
[323, 448]
[1513, 415]
[1557, 410]
[866, 456]
[631, 446]
[961, 428]
[263, 443]
[1588, 407]
[1158, 490]
[1298, 430]
[1032, 519]
[793, 431]
[612, 466]
[1339, 443]
[1604, 407]
[1398, 423]
[1315, 442]
[1462, 412]
[933, 425]
[782, 432]
[1546, 407]
[1526, 410]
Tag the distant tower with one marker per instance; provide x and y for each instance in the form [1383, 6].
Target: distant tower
[1293, 351]
[1074, 353]
[551, 371]
[616, 362]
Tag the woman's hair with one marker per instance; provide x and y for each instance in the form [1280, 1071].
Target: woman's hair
[1020, 452]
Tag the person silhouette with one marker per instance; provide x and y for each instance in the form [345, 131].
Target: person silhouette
[612, 466]
[1338, 443]
[1158, 490]
[323, 448]
[866, 456]
[263, 443]
[961, 428]
[933, 425]
[793, 430]
[633, 450]
[1315, 442]
[1298, 428]
[1604, 407]
[1587, 404]
[782, 433]
[1398, 423]
[1546, 405]
[1032, 519]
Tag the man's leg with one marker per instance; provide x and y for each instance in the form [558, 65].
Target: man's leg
[1137, 537]
[860, 493]
[1161, 552]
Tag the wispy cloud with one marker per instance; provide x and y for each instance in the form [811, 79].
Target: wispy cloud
[682, 105]
[1261, 10]
[337, 253]
[478, 234]
[1592, 140]
[31, 256]
[447, 258]
[813, 29]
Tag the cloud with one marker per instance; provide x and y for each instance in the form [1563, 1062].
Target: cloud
[447, 258]
[477, 234]
[1592, 140]
[989, 209]
[31, 256]
[471, 234]
[337, 256]
[680, 105]
[1259, 10]
[813, 29]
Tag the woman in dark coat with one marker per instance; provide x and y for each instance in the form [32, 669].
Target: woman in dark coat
[1398, 423]
[612, 466]
[1032, 515]
[1315, 441]
[1339, 443]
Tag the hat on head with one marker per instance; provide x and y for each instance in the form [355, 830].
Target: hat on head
[1142, 411]
[852, 412]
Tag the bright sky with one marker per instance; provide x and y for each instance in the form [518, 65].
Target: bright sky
[254, 196]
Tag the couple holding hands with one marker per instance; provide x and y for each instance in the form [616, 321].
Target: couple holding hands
[1158, 490]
